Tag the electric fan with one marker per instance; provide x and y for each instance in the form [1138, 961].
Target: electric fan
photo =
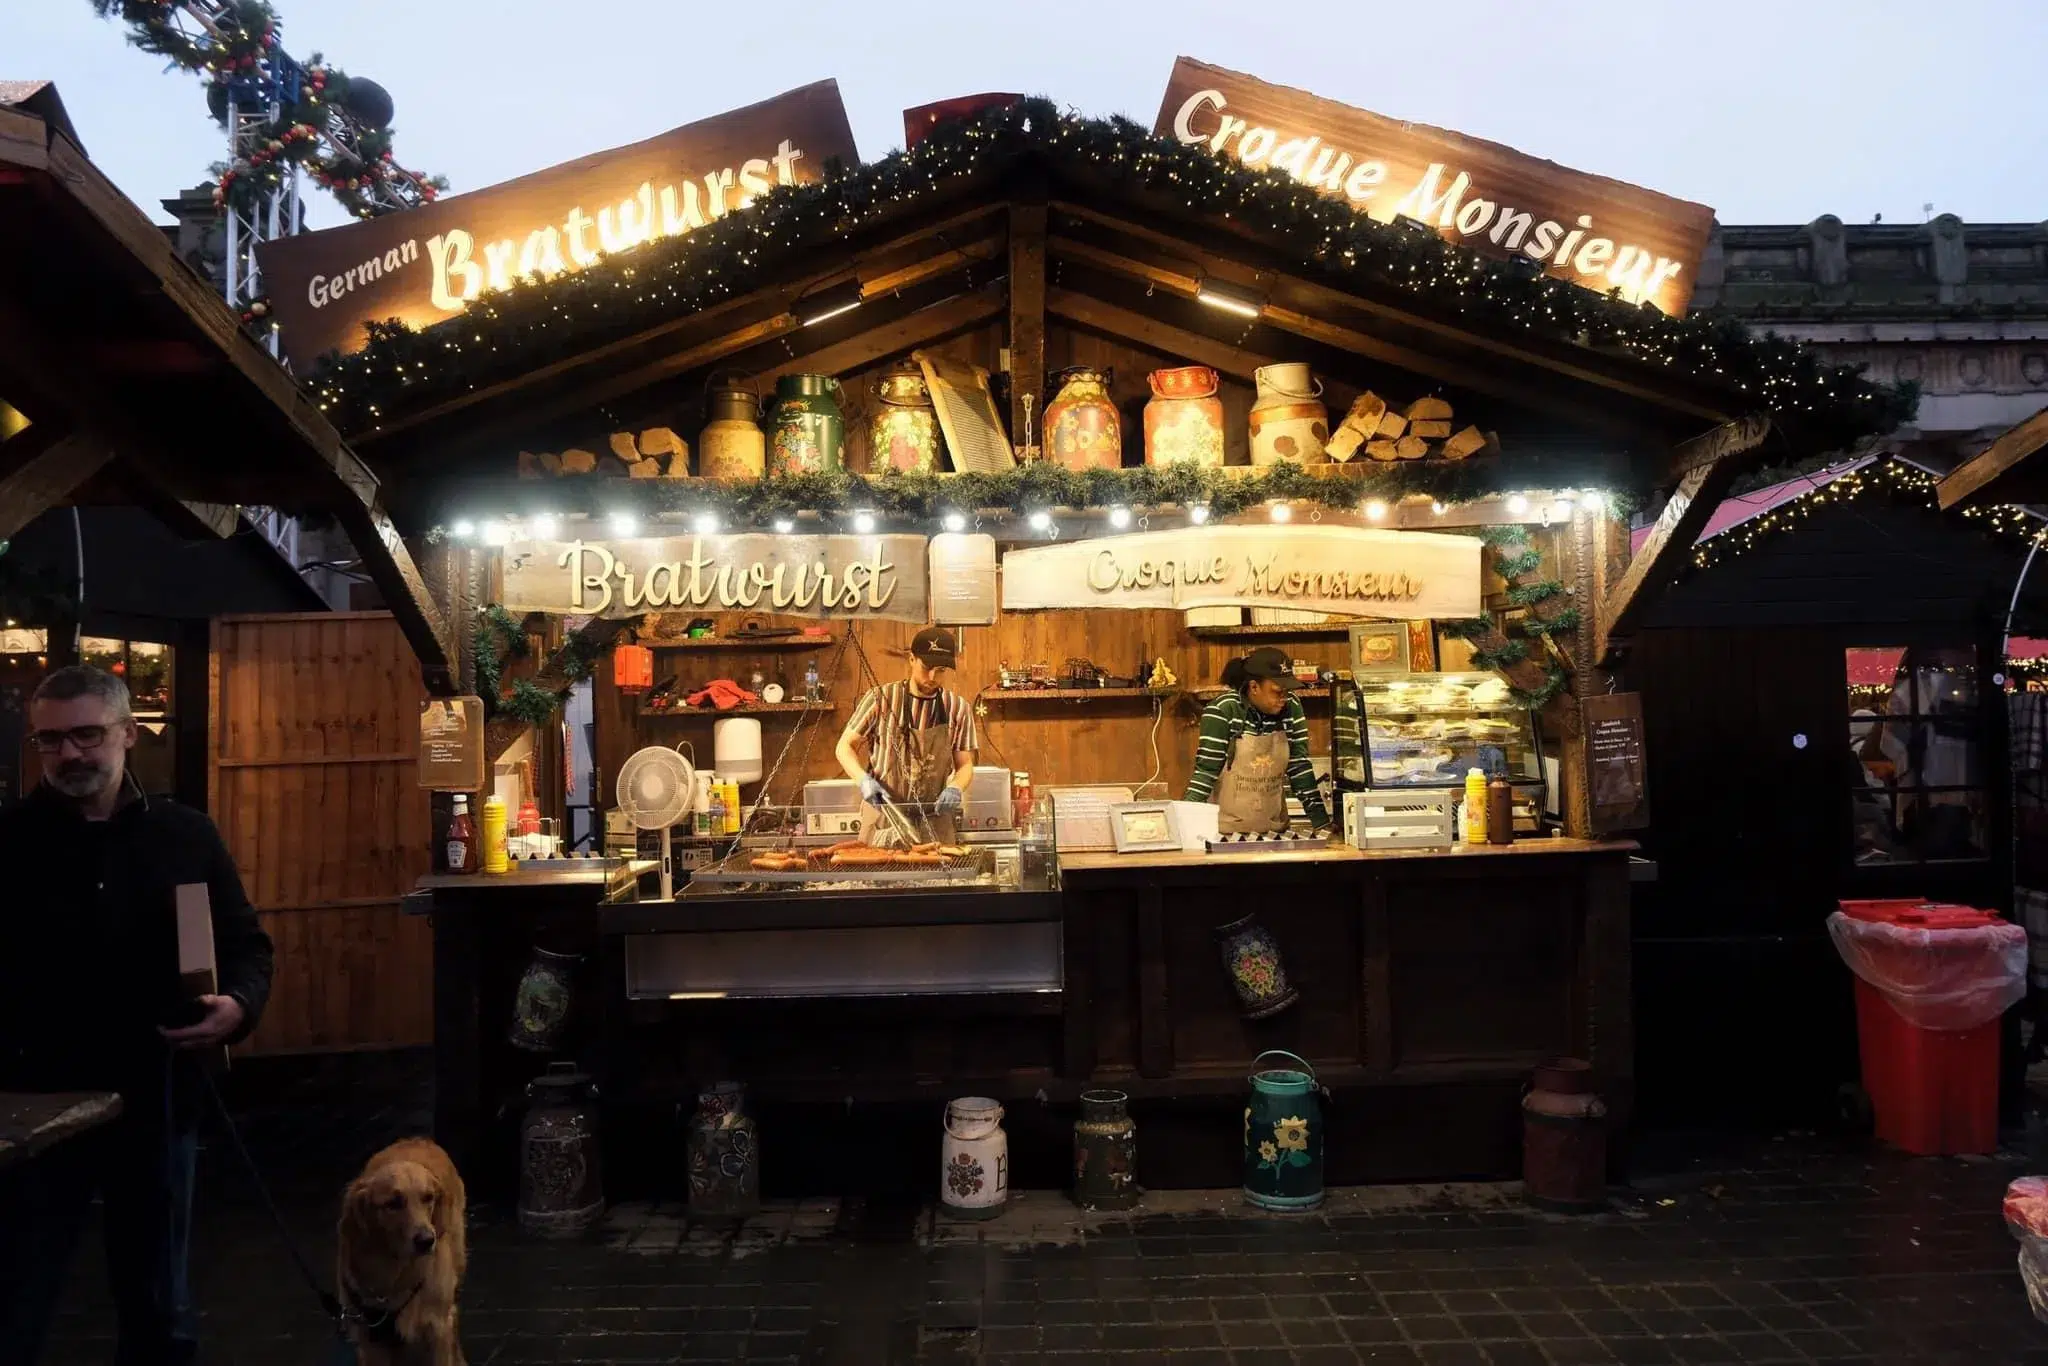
[656, 788]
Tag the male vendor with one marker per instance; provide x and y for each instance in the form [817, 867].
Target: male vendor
[913, 742]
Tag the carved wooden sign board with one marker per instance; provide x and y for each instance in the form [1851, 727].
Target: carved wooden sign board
[1599, 233]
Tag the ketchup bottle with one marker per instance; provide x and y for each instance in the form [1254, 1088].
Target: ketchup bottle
[461, 838]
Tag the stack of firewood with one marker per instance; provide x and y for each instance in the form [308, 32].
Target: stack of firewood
[656, 453]
[1420, 431]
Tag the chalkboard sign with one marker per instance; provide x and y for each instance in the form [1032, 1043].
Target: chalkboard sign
[1616, 778]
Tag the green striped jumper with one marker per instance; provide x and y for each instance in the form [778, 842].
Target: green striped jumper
[1230, 716]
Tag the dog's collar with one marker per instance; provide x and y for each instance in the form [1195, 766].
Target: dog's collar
[378, 1324]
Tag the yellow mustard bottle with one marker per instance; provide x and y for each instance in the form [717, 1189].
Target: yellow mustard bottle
[496, 860]
[1475, 806]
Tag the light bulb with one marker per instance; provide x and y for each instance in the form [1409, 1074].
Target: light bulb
[1039, 520]
[1279, 512]
[1593, 501]
[463, 529]
[1119, 517]
[784, 525]
[623, 523]
[863, 521]
[1199, 513]
[1438, 509]
[544, 525]
[1517, 504]
[705, 524]
[954, 521]
[496, 533]
[1376, 510]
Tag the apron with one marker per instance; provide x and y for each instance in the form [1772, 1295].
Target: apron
[924, 769]
[1251, 796]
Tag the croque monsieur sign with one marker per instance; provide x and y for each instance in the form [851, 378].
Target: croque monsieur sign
[1349, 571]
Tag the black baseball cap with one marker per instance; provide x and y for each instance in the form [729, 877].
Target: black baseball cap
[1274, 665]
[935, 647]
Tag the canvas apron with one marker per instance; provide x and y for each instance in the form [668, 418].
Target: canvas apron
[1251, 796]
[922, 773]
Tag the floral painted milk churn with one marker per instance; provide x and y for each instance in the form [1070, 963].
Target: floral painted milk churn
[974, 1159]
[903, 433]
[1288, 419]
[721, 1155]
[732, 444]
[1564, 1139]
[1105, 1152]
[1283, 1136]
[561, 1181]
[1082, 430]
[1184, 419]
[810, 431]
[1257, 974]
[541, 1005]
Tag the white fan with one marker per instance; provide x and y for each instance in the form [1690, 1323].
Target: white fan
[656, 788]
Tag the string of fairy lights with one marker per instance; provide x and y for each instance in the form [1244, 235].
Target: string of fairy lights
[512, 331]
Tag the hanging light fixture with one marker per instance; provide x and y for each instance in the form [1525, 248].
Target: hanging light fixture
[632, 668]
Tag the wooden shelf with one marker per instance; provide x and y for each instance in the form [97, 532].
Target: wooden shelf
[754, 709]
[1207, 695]
[1302, 631]
[744, 643]
[1074, 694]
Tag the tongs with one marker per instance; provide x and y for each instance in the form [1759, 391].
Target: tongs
[898, 823]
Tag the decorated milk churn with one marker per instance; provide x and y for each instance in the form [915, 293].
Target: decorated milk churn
[1288, 421]
[1105, 1152]
[1251, 956]
[903, 433]
[1184, 419]
[541, 1005]
[722, 1157]
[1564, 1138]
[1283, 1136]
[561, 1181]
[974, 1159]
[1082, 431]
[732, 445]
[810, 431]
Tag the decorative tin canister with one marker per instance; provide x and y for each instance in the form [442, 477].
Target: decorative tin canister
[1184, 419]
[1283, 1136]
[1105, 1152]
[1082, 431]
[732, 445]
[1288, 419]
[561, 1182]
[1252, 958]
[722, 1156]
[974, 1159]
[1564, 1138]
[903, 433]
[810, 431]
[542, 1003]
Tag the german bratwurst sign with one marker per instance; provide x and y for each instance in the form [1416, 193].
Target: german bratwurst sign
[803, 576]
[1349, 571]
[431, 263]
[1593, 231]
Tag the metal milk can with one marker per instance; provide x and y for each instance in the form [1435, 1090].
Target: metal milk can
[903, 431]
[1083, 430]
[724, 1160]
[732, 445]
[1564, 1138]
[810, 431]
[974, 1159]
[561, 1181]
[1288, 420]
[1105, 1152]
[1283, 1136]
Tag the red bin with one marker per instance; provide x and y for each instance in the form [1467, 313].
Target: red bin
[1931, 983]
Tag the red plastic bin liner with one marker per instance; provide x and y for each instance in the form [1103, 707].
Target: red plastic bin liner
[2026, 1207]
[1940, 967]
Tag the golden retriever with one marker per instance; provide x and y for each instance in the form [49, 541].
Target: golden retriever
[402, 1251]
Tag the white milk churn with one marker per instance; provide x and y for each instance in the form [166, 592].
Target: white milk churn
[974, 1169]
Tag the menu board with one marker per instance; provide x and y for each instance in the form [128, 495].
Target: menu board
[452, 744]
[1616, 776]
[963, 579]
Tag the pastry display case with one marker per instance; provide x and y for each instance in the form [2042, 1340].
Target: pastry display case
[1429, 729]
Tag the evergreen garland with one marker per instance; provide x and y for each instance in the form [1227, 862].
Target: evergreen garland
[499, 638]
[1550, 613]
[515, 331]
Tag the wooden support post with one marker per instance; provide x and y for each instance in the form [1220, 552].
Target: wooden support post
[391, 568]
[1581, 566]
[1662, 555]
[1027, 318]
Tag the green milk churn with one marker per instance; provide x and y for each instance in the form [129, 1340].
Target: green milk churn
[810, 431]
[1283, 1136]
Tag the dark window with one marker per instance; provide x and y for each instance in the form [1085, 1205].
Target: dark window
[1917, 781]
[146, 667]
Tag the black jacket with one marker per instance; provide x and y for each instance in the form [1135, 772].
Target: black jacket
[89, 949]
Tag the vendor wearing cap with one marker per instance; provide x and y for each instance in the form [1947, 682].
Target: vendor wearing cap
[1254, 747]
[913, 742]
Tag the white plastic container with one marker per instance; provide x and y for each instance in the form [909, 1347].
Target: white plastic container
[736, 748]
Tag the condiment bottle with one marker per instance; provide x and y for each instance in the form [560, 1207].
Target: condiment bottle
[812, 692]
[715, 815]
[1500, 811]
[700, 809]
[732, 806]
[461, 837]
[496, 859]
[1475, 806]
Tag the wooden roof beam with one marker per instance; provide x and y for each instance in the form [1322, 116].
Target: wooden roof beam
[47, 468]
[920, 327]
[1975, 482]
[1662, 556]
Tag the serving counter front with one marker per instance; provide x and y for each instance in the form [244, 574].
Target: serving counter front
[1427, 986]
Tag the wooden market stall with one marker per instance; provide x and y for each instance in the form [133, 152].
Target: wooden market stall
[565, 420]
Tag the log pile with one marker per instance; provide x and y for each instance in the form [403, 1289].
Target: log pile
[1423, 430]
[657, 453]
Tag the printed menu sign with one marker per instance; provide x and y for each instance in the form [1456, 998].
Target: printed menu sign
[1615, 768]
[452, 744]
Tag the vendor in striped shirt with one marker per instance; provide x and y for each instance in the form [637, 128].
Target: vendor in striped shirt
[1254, 748]
[912, 742]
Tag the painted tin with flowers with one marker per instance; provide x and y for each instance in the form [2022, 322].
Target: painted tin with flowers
[1283, 1135]
[1082, 429]
[1184, 419]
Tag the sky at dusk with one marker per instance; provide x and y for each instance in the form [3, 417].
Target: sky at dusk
[1770, 112]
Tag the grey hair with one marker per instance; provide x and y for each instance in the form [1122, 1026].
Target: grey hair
[83, 680]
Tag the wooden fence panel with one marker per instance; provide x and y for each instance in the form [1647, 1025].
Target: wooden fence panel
[311, 779]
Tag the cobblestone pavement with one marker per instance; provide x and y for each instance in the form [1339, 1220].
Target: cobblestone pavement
[1794, 1251]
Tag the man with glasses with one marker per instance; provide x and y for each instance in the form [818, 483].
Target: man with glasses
[90, 1000]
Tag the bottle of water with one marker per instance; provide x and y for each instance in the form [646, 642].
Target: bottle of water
[812, 691]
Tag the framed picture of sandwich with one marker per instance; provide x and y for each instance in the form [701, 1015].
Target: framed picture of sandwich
[1381, 647]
